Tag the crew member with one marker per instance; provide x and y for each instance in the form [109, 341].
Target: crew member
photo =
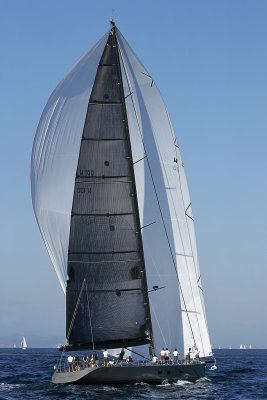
[85, 358]
[76, 362]
[129, 359]
[167, 355]
[187, 357]
[95, 358]
[175, 356]
[105, 355]
[70, 362]
[155, 359]
[121, 355]
[162, 355]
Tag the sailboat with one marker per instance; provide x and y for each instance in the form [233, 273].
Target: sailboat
[241, 347]
[23, 343]
[111, 200]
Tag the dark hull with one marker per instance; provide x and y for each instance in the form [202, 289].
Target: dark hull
[131, 374]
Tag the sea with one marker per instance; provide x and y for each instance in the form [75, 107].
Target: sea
[240, 374]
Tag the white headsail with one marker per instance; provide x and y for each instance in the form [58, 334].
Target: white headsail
[164, 202]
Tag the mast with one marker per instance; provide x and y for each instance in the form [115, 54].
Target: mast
[106, 268]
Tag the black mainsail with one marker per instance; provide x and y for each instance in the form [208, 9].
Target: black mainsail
[105, 245]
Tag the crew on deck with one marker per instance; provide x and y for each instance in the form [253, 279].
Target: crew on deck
[74, 364]
[70, 362]
[121, 355]
[105, 356]
[162, 356]
[167, 355]
[175, 356]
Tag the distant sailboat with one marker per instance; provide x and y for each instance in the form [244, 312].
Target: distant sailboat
[250, 346]
[244, 347]
[241, 347]
[23, 343]
[220, 347]
[14, 345]
[230, 347]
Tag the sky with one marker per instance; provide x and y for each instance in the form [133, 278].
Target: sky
[209, 60]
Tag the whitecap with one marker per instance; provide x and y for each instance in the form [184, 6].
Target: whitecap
[164, 383]
[204, 379]
[183, 383]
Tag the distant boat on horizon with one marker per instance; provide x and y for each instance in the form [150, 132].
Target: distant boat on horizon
[250, 346]
[14, 346]
[220, 347]
[241, 347]
[230, 347]
[23, 343]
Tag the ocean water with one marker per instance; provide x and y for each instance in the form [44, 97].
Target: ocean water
[241, 374]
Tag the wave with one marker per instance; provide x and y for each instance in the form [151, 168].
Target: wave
[204, 379]
[183, 383]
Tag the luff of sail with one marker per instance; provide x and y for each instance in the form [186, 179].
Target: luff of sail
[166, 221]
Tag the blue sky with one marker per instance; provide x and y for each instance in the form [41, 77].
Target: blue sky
[209, 60]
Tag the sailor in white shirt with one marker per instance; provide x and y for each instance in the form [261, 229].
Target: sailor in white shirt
[70, 362]
[175, 356]
[105, 355]
[162, 356]
[167, 355]
[155, 360]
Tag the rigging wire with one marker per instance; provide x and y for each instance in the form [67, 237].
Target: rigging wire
[155, 315]
[72, 321]
[156, 194]
[89, 312]
[139, 354]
